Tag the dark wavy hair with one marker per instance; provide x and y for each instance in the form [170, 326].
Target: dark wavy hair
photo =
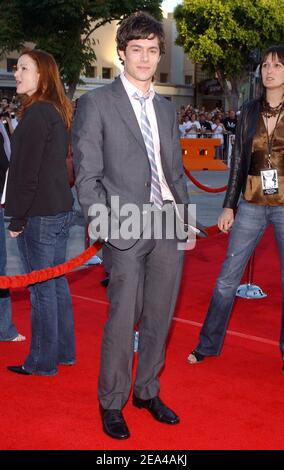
[276, 52]
[140, 25]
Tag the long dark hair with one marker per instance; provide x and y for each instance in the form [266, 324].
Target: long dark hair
[276, 52]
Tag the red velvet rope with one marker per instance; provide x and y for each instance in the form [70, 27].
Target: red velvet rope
[213, 230]
[201, 186]
[24, 280]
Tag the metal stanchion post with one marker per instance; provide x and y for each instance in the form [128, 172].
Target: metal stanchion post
[136, 341]
[231, 141]
[250, 290]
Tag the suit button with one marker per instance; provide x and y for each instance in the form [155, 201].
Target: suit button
[147, 184]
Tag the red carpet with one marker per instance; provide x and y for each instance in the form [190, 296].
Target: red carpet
[231, 402]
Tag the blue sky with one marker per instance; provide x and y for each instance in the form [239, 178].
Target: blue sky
[169, 5]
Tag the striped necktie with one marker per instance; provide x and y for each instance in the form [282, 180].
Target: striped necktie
[156, 193]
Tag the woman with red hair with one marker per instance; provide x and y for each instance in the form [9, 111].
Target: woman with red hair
[39, 201]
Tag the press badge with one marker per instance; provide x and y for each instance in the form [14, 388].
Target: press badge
[269, 181]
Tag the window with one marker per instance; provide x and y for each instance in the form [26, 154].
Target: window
[163, 77]
[106, 72]
[91, 71]
[11, 64]
[188, 79]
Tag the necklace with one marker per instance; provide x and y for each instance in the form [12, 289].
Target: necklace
[272, 111]
[270, 138]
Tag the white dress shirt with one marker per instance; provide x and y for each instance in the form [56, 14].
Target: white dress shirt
[131, 90]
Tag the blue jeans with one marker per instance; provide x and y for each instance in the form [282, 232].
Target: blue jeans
[7, 328]
[248, 228]
[43, 244]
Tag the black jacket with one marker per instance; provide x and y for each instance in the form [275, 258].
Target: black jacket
[241, 159]
[38, 180]
[3, 163]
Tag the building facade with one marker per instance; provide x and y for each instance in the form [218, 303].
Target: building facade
[174, 77]
[177, 78]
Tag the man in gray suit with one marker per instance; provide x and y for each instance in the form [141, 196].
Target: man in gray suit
[126, 145]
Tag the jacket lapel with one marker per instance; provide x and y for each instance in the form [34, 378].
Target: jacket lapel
[128, 116]
[126, 112]
[165, 130]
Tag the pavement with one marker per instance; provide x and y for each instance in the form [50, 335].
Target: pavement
[208, 208]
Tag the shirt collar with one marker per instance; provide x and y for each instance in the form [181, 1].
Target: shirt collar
[131, 89]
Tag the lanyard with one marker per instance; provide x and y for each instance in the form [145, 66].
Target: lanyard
[270, 139]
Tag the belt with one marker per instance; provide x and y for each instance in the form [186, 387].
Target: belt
[168, 201]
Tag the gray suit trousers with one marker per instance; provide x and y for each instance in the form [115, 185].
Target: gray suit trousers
[143, 288]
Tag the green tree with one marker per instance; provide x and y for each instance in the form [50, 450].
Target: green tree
[11, 35]
[64, 28]
[220, 34]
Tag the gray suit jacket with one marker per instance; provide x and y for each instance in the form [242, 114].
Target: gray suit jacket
[110, 157]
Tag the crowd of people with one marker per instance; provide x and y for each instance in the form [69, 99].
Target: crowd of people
[8, 113]
[198, 123]
[135, 156]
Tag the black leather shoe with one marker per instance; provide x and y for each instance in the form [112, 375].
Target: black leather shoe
[114, 424]
[105, 282]
[157, 409]
[19, 370]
